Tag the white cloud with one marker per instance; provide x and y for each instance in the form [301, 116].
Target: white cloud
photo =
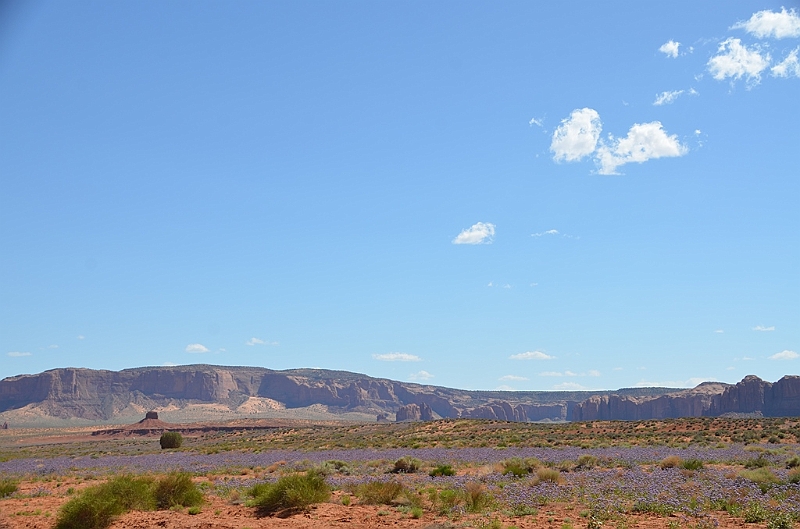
[670, 48]
[554, 232]
[764, 329]
[420, 375]
[537, 122]
[81, 337]
[719, 331]
[257, 341]
[772, 24]
[735, 60]
[593, 373]
[551, 374]
[19, 353]
[513, 377]
[531, 355]
[196, 348]
[396, 357]
[789, 67]
[569, 386]
[690, 383]
[783, 355]
[645, 141]
[54, 346]
[577, 135]
[665, 98]
[478, 233]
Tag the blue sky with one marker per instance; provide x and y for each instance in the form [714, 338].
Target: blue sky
[520, 195]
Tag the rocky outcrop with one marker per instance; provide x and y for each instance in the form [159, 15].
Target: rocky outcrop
[755, 396]
[415, 412]
[694, 402]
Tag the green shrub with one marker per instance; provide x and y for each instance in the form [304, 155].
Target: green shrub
[755, 513]
[780, 520]
[447, 499]
[442, 470]
[692, 464]
[7, 487]
[378, 492]
[296, 492]
[763, 477]
[171, 440]
[96, 507]
[406, 465]
[416, 513]
[793, 462]
[794, 475]
[586, 462]
[517, 467]
[758, 462]
[175, 490]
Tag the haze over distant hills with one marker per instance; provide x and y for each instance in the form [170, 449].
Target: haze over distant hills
[205, 392]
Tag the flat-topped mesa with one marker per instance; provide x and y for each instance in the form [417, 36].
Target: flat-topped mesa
[94, 395]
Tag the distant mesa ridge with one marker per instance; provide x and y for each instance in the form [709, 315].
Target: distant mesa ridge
[98, 395]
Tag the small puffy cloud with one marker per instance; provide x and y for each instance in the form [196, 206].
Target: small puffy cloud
[515, 378]
[537, 122]
[531, 355]
[719, 331]
[569, 386]
[789, 67]
[19, 353]
[478, 233]
[593, 373]
[784, 355]
[420, 375]
[645, 141]
[670, 48]
[396, 357]
[735, 60]
[577, 136]
[196, 348]
[551, 374]
[773, 24]
[81, 337]
[764, 329]
[54, 346]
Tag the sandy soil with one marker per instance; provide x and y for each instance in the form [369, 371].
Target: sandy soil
[40, 512]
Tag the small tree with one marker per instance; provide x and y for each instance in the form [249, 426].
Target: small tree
[171, 440]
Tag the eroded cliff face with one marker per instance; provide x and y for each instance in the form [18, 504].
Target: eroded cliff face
[102, 395]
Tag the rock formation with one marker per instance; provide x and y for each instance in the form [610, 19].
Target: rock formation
[104, 395]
